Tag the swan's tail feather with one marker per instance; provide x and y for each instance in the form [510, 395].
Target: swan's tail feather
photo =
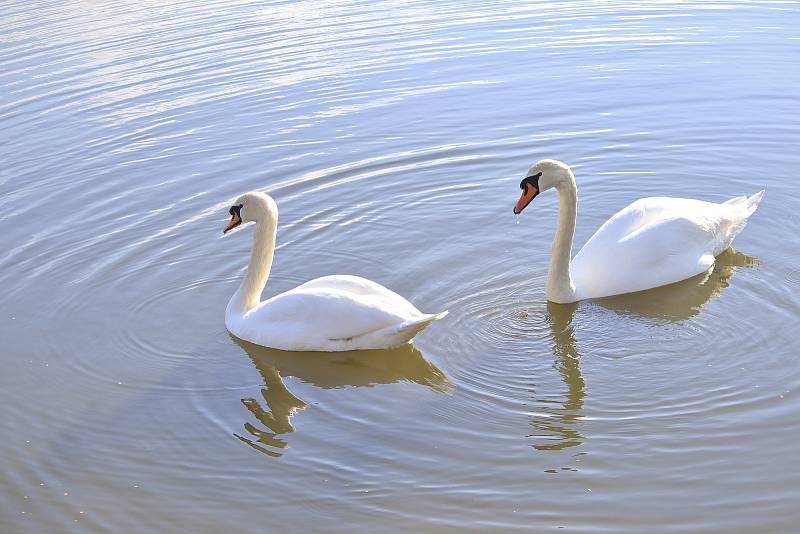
[743, 208]
[745, 205]
[405, 331]
[390, 336]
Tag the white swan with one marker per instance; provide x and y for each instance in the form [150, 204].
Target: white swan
[652, 242]
[332, 313]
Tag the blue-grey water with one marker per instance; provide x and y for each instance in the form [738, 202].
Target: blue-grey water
[393, 136]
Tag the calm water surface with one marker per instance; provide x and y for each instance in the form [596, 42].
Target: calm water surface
[393, 137]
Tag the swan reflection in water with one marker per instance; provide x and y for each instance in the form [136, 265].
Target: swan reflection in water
[324, 370]
[556, 417]
[682, 300]
[556, 421]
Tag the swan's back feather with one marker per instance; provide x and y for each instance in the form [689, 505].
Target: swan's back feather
[357, 285]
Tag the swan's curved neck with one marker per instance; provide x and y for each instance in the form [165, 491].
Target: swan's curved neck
[560, 288]
[248, 296]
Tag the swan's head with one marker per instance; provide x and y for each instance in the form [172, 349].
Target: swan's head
[254, 206]
[542, 176]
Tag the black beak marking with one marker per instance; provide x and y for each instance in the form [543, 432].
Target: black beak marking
[533, 180]
[236, 218]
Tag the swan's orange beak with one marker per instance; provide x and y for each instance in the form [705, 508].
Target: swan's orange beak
[525, 198]
[236, 219]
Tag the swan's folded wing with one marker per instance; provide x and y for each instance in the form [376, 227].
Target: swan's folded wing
[659, 252]
[313, 316]
[398, 334]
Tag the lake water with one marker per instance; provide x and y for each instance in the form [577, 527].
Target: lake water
[393, 137]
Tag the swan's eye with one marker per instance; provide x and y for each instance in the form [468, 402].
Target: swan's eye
[235, 209]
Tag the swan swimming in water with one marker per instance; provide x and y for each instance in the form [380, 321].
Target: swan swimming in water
[331, 313]
[653, 242]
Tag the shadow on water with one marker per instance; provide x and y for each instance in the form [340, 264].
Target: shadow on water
[324, 370]
[557, 418]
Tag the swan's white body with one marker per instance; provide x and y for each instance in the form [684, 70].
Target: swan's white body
[650, 243]
[331, 313]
